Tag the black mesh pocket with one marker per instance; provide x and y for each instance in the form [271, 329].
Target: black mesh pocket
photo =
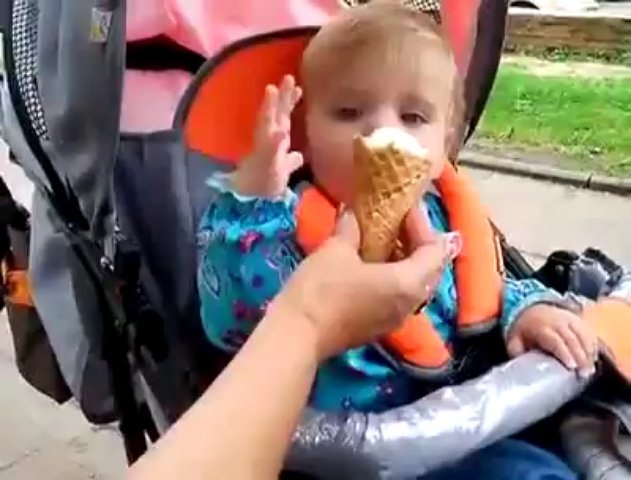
[24, 45]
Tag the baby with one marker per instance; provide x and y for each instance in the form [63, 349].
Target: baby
[377, 65]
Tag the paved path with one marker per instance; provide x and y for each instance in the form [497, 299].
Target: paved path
[40, 440]
[539, 217]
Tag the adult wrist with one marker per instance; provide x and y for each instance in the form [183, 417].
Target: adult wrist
[297, 327]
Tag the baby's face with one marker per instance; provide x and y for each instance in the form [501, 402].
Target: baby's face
[362, 100]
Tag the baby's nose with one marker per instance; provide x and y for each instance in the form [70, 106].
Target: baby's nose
[380, 119]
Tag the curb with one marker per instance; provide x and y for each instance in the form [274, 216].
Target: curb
[588, 181]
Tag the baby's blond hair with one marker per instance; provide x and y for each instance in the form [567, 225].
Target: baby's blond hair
[386, 34]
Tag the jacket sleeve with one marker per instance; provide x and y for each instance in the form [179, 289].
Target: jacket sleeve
[519, 295]
[245, 254]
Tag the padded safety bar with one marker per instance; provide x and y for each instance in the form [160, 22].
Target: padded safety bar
[439, 429]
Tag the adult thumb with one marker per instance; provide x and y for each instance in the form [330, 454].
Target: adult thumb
[347, 228]
[418, 228]
[426, 262]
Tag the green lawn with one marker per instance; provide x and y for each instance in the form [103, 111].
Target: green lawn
[585, 120]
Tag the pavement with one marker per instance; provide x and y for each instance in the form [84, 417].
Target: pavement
[538, 217]
[41, 439]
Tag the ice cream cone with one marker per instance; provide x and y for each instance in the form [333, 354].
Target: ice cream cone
[391, 171]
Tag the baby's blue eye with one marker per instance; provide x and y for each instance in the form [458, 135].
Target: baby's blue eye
[413, 118]
[347, 113]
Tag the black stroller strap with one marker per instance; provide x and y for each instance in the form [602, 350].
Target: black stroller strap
[5, 14]
[115, 350]
[514, 261]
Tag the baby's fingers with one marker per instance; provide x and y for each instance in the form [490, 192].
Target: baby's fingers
[289, 96]
[582, 360]
[551, 342]
[269, 109]
[267, 117]
[588, 342]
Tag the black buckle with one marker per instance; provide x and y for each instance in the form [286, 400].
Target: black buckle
[591, 274]
[145, 326]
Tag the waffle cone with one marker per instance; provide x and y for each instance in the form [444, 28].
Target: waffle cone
[389, 181]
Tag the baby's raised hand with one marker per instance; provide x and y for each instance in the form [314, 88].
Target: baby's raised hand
[266, 171]
[556, 331]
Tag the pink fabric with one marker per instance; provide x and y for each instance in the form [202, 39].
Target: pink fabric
[205, 26]
[147, 18]
[150, 99]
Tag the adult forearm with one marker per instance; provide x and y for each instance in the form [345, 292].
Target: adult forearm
[241, 427]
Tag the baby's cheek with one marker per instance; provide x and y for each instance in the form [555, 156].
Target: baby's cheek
[438, 164]
[433, 139]
[334, 174]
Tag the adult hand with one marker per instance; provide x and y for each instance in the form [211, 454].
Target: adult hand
[334, 301]
[348, 302]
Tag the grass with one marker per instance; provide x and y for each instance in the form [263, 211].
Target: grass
[585, 121]
[616, 57]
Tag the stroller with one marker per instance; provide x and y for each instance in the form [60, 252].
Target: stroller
[108, 313]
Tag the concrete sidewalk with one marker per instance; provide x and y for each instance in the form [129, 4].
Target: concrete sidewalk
[40, 439]
[539, 217]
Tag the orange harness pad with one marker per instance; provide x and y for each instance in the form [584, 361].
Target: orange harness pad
[17, 287]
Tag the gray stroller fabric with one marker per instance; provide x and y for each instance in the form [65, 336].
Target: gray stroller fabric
[160, 191]
[61, 100]
[69, 84]
[79, 81]
[70, 312]
[158, 185]
[597, 446]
